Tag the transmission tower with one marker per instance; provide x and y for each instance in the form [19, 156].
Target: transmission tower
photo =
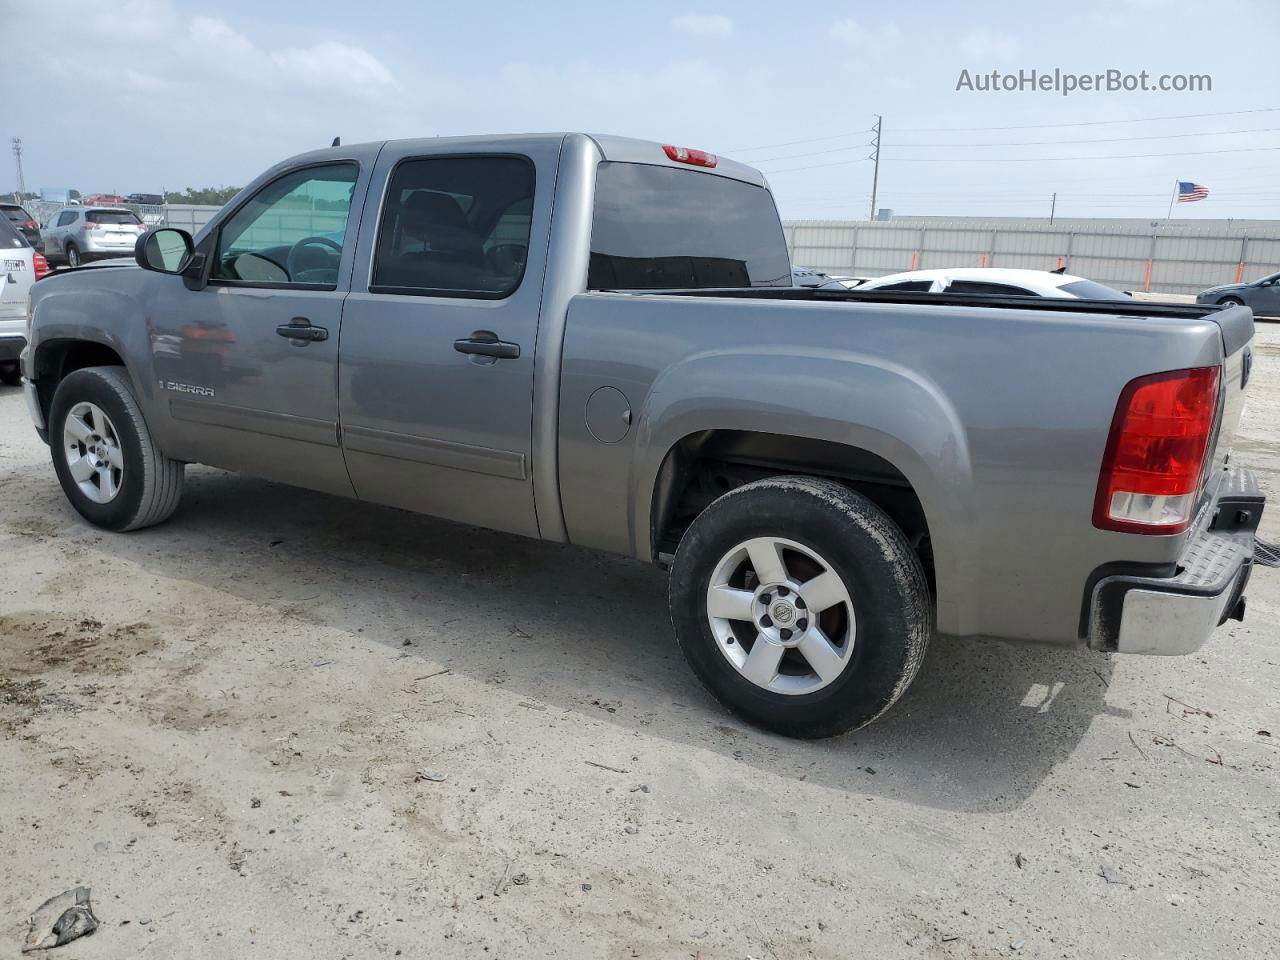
[17, 158]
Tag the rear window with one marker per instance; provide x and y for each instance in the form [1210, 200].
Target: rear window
[112, 216]
[9, 235]
[659, 228]
[1089, 290]
[16, 214]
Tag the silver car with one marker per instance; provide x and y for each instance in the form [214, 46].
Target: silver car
[1262, 295]
[20, 266]
[74, 235]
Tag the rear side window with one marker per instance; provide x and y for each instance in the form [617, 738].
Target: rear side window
[988, 289]
[111, 216]
[66, 217]
[909, 286]
[661, 228]
[455, 227]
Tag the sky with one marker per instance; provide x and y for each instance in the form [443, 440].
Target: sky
[143, 95]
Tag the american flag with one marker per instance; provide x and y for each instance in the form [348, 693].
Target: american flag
[1189, 192]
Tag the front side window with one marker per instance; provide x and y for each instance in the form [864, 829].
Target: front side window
[455, 226]
[291, 231]
[661, 228]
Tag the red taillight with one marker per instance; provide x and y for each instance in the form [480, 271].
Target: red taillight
[40, 265]
[91, 225]
[1155, 455]
[30, 225]
[698, 158]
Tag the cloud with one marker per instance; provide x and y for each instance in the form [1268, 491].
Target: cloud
[855, 36]
[983, 43]
[704, 24]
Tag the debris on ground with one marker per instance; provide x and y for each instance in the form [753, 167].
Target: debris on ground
[432, 775]
[1111, 874]
[1019, 860]
[603, 766]
[68, 916]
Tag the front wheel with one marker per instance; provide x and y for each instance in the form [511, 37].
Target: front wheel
[10, 373]
[109, 466]
[800, 605]
[1231, 302]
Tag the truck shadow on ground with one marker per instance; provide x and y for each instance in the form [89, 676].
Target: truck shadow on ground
[980, 729]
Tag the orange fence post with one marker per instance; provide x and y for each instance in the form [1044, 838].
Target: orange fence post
[1061, 260]
[1146, 283]
[915, 258]
[984, 260]
[1239, 273]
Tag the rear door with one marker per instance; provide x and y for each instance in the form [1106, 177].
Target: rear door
[436, 377]
[17, 272]
[247, 366]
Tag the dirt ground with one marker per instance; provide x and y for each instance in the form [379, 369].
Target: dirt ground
[290, 726]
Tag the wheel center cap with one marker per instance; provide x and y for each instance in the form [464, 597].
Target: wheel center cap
[783, 612]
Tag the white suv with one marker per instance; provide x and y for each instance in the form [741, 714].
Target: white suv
[76, 234]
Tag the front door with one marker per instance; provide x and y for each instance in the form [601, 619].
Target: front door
[436, 376]
[247, 366]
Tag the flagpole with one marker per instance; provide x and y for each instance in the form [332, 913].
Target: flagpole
[1172, 198]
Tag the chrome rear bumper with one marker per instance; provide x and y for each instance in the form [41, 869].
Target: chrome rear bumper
[1173, 615]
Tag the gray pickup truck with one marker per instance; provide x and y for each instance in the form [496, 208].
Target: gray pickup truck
[595, 340]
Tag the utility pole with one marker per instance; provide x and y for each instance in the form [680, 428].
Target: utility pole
[1053, 206]
[17, 156]
[875, 177]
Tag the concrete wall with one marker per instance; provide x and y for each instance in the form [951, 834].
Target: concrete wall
[1168, 256]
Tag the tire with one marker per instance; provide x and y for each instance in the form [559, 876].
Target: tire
[10, 373]
[1231, 301]
[72, 254]
[879, 629]
[146, 488]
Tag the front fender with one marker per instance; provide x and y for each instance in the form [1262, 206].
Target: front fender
[842, 397]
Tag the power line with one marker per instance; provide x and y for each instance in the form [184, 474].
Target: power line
[1024, 143]
[1027, 126]
[1112, 156]
[1094, 123]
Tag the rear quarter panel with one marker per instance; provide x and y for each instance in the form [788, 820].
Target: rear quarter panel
[997, 417]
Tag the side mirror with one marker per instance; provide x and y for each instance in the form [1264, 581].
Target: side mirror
[166, 250]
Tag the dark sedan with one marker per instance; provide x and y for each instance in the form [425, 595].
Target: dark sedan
[1262, 295]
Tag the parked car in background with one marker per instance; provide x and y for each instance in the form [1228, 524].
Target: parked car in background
[817, 279]
[20, 266]
[995, 282]
[145, 199]
[597, 340]
[76, 234]
[1263, 295]
[103, 200]
[24, 222]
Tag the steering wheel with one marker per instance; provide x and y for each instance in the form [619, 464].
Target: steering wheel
[294, 266]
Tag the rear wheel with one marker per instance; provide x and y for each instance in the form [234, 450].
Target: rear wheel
[73, 255]
[801, 606]
[109, 466]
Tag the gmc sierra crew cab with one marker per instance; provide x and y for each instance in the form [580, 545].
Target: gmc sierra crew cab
[595, 340]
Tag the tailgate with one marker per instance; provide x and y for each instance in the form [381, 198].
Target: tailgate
[1236, 324]
[17, 270]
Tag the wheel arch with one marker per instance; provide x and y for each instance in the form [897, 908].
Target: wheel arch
[54, 359]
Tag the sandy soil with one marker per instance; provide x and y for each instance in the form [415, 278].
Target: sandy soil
[289, 726]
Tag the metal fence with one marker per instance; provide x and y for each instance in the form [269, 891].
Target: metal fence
[1169, 257]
